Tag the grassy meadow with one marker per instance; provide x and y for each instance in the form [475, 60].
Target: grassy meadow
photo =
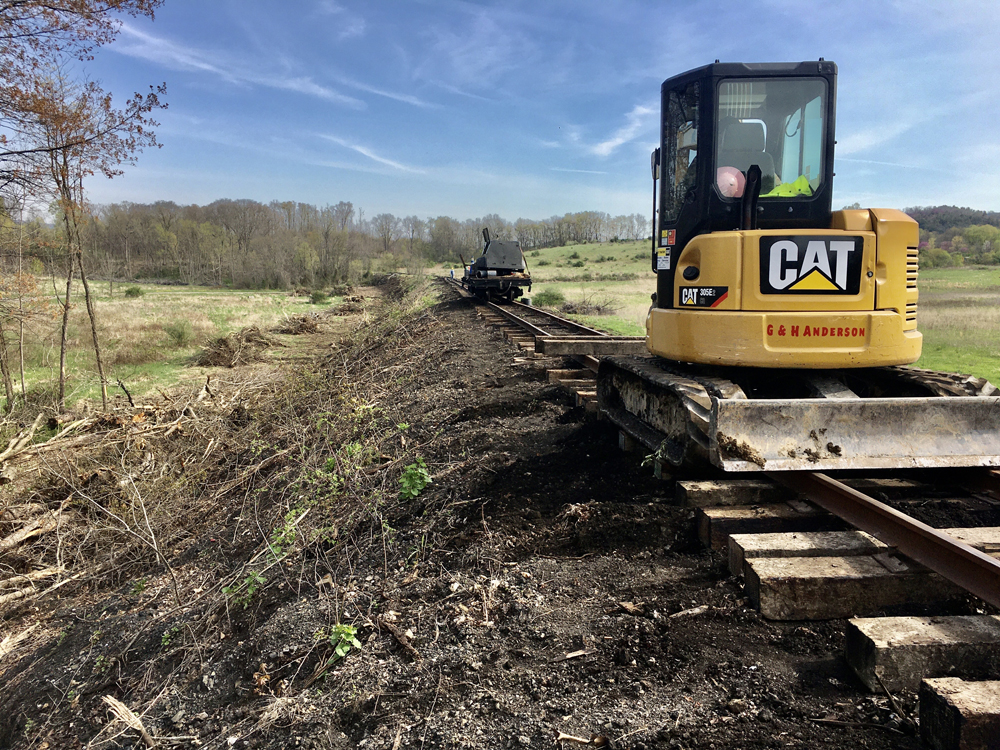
[959, 315]
[959, 308]
[148, 341]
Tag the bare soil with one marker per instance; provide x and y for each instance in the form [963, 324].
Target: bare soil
[541, 584]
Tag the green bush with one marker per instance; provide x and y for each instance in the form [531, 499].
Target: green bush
[318, 297]
[133, 291]
[181, 333]
[549, 298]
[574, 255]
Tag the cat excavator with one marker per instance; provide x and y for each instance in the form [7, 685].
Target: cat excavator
[780, 328]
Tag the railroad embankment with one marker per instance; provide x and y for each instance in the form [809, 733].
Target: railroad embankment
[404, 536]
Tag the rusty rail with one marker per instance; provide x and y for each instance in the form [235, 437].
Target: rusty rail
[505, 311]
[972, 570]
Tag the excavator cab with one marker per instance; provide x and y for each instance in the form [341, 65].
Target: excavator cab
[746, 247]
[720, 120]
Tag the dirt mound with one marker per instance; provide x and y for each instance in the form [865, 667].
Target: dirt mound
[239, 348]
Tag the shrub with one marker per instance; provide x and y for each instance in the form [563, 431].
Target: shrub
[180, 333]
[318, 297]
[133, 291]
[549, 298]
[574, 255]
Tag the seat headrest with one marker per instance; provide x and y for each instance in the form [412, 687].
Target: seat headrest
[743, 136]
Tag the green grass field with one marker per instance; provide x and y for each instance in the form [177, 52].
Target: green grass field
[959, 315]
[959, 308]
[148, 342]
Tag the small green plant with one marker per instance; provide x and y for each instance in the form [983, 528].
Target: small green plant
[138, 586]
[415, 477]
[353, 450]
[180, 333]
[318, 297]
[343, 638]
[577, 264]
[403, 426]
[243, 593]
[574, 255]
[133, 292]
[102, 663]
[549, 298]
[168, 635]
[63, 634]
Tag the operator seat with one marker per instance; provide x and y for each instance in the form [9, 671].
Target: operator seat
[741, 146]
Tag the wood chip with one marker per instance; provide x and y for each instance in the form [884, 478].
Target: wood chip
[573, 655]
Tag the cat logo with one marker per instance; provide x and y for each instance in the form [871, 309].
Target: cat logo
[811, 265]
[703, 296]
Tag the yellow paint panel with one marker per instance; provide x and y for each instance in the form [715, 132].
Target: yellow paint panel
[815, 282]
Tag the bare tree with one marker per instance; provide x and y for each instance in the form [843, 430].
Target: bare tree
[386, 230]
[82, 133]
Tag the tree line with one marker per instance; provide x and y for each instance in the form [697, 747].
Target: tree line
[953, 236]
[287, 244]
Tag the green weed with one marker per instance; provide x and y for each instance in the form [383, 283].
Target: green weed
[549, 298]
[180, 333]
[243, 593]
[414, 479]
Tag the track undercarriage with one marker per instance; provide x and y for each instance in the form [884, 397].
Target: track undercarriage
[744, 419]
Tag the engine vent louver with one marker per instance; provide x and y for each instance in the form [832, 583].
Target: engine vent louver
[912, 268]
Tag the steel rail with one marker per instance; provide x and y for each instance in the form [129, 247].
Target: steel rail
[972, 570]
[557, 319]
[591, 363]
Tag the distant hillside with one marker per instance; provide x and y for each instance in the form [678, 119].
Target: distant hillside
[943, 218]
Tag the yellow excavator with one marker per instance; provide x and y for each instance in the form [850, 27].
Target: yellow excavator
[779, 326]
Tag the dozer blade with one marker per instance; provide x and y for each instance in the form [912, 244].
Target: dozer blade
[868, 433]
[689, 417]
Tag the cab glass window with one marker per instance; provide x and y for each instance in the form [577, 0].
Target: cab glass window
[777, 124]
[680, 147]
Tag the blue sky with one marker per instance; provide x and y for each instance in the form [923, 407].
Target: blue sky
[534, 109]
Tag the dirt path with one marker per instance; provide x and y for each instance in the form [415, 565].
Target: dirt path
[538, 585]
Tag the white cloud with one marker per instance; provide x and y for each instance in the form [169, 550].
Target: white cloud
[636, 121]
[577, 171]
[364, 151]
[171, 55]
[351, 24]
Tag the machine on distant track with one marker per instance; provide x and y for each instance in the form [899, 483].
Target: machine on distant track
[500, 272]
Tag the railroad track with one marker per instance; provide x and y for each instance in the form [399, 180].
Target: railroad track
[789, 538]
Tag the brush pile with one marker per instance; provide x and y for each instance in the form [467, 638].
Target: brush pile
[238, 348]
